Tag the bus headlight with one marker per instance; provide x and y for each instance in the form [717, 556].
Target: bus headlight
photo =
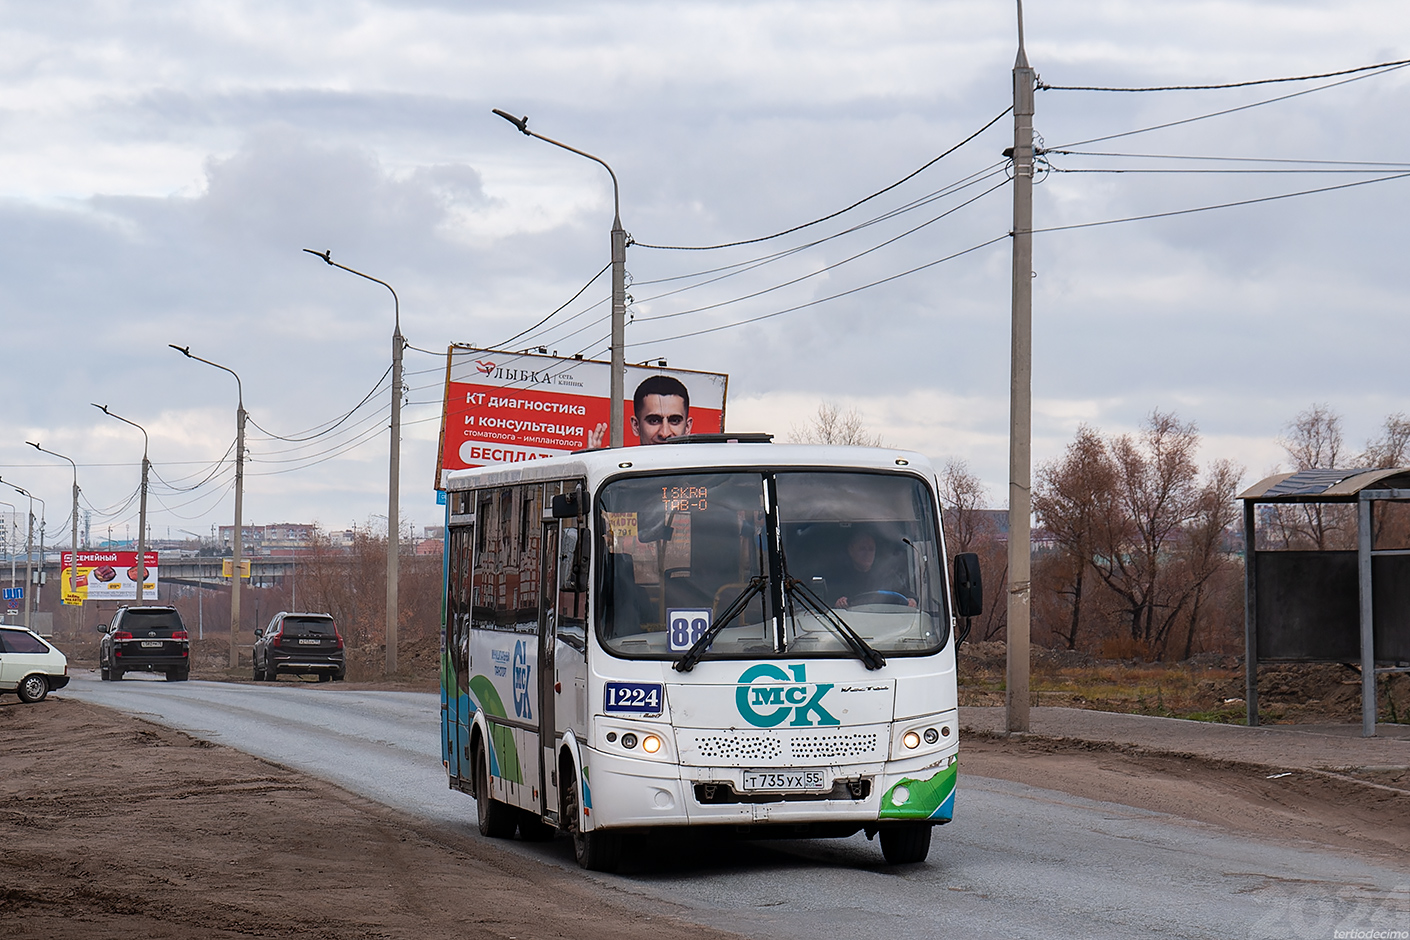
[911, 740]
[629, 740]
[651, 744]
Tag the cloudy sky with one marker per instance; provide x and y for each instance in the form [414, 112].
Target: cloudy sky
[163, 165]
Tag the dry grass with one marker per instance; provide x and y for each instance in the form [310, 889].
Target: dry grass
[1208, 688]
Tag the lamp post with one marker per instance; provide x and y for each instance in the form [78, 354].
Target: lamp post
[142, 507]
[237, 545]
[73, 565]
[28, 549]
[394, 464]
[619, 278]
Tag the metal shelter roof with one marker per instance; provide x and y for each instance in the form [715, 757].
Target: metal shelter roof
[1325, 485]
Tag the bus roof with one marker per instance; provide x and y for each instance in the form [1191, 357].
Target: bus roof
[597, 465]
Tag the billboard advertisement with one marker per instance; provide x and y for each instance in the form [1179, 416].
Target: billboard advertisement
[108, 576]
[503, 407]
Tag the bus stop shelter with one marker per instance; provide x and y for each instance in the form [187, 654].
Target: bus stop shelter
[1323, 604]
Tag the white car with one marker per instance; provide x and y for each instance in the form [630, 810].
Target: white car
[29, 665]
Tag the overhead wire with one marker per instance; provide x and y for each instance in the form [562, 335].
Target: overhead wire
[830, 267]
[1224, 111]
[1222, 205]
[1389, 66]
[832, 215]
[581, 290]
[331, 424]
[822, 300]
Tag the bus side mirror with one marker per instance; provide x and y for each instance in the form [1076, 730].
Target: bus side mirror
[969, 585]
[569, 505]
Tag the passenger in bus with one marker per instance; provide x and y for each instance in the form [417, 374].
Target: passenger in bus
[660, 411]
[862, 579]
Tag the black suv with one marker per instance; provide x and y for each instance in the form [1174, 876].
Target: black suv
[145, 639]
[302, 644]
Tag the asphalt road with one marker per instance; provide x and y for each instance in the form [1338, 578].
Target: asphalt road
[1018, 861]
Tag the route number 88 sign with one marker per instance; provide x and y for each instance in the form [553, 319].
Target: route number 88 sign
[684, 626]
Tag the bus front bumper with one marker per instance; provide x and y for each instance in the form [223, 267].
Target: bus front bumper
[626, 792]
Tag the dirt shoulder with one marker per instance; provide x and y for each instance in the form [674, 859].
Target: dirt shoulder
[1304, 807]
[116, 828]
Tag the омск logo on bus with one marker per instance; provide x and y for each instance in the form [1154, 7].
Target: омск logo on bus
[522, 706]
[767, 695]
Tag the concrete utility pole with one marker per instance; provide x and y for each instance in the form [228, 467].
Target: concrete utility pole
[394, 465]
[616, 431]
[1020, 396]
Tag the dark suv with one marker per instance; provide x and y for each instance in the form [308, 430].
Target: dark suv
[302, 644]
[145, 639]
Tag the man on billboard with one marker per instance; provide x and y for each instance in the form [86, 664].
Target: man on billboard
[660, 411]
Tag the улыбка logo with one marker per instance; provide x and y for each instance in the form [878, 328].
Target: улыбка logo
[767, 695]
[522, 705]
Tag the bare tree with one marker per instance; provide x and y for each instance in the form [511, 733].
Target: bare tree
[832, 425]
[962, 495]
[1389, 450]
[1072, 497]
[968, 528]
[1313, 440]
[1156, 490]
[1204, 555]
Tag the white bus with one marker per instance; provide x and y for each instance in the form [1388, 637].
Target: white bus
[740, 634]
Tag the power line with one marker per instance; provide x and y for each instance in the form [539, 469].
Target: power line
[833, 215]
[830, 267]
[1043, 86]
[1213, 159]
[1222, 205]
[1213, 114]
[744, 267]
[605, 268]
[326, 425]
[822, 300]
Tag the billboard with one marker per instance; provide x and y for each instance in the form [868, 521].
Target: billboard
[107, 576]
[503, 407]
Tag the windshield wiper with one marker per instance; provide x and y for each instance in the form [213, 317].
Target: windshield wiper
[693, 655]
[863, 650]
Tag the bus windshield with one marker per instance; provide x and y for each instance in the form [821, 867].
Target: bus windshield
[685, 551]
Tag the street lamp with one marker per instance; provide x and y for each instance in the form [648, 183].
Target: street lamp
[619, 278]
[394, 469]
[142, 507]
[73, 565]
[238, 543]
[28, 548]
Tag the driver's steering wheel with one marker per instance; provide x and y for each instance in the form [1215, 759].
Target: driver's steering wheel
[879, 597]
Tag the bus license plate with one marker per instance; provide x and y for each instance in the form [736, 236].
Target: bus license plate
[783, 780]
[149, 643]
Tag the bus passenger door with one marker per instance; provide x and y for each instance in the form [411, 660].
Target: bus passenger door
[548, 622]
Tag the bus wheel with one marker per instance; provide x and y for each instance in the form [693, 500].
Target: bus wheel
[496, 819]
[906, 844]
[595, 851]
